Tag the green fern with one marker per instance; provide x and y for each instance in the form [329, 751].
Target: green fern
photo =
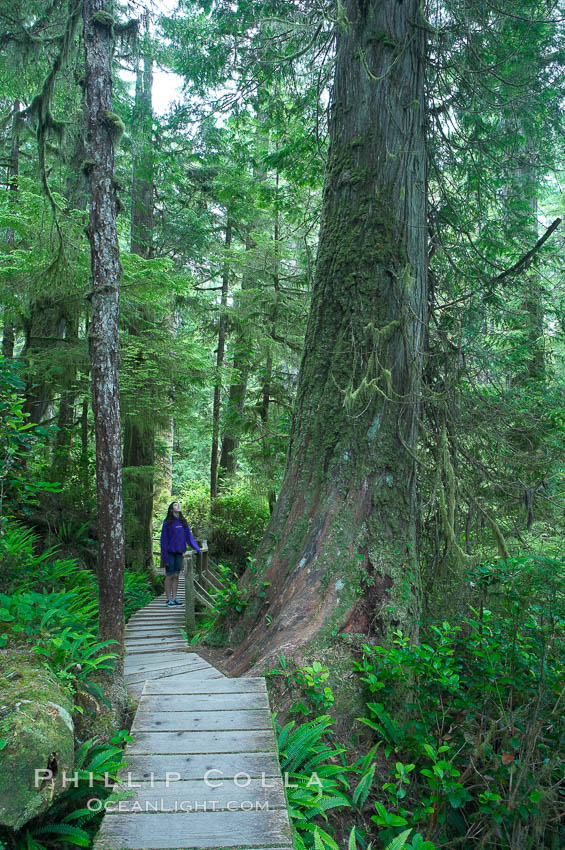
[70, 834]
[399, 843]
[303, 751]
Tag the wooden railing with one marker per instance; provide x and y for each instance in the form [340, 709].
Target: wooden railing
[201, 582]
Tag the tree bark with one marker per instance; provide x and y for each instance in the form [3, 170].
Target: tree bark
[103, 129]
[345, 521]
[219, 366]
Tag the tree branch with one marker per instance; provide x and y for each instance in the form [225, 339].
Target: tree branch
[524, 261]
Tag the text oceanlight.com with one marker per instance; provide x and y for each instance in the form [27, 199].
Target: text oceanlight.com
[96, 805]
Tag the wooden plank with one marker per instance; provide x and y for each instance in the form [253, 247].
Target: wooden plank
[205, 721]
[202, 600]
[216, 830]
[174, 645]
[188, 596]
[203, 742]
[211, 794]
[225, 686]
[169, 659]
[203, 702]
[196, 765]
[200, 675]
[198, 586]
[160, 619]
[135, 690]
[155, 640]
[150, 632]
[162, 645]
[202, 668]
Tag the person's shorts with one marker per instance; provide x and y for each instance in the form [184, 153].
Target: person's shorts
[175, 563]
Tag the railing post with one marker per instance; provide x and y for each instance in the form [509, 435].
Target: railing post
[189, 616]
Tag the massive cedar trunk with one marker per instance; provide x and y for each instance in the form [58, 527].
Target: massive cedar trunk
[139, 432]
[344, 523]
[103, 128]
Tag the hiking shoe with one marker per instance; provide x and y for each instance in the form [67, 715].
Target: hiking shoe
[170, 603]
[177, 602]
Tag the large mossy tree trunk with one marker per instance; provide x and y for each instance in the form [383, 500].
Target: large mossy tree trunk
[103, 129]
[341, 549]
[139, 430]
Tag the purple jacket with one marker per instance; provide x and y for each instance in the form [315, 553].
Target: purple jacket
[175, 538]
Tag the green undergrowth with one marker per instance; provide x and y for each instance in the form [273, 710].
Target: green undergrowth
[459, 738]
[51, 607]
[50, 610]
[234, 521]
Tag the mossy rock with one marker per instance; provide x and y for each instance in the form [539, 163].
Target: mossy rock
[37, 731]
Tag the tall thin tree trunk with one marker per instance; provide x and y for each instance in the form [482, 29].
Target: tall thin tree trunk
[266, 400]
[8, 334]
[139, 431]
[77, 197]
[164, 441]
[103, 129]
[521, 225]
[219, 366]
[84, 429]
[341, 549]
[241, 367]
[65, 418]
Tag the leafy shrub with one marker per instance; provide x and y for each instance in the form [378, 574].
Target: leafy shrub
[310, 680]
[137, 593]
[194, 499]
[19, 441]
[54, 606]
[239, 518]
[236, 519]
[475, 756]
[229, 598]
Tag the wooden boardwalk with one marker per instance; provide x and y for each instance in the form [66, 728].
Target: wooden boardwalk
[202, 769]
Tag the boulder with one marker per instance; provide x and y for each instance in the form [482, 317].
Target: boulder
[36, 735]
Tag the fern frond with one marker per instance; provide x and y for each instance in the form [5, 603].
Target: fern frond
[399, 843]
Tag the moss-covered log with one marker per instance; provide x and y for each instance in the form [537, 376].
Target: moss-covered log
[37, 734]
[340, 551]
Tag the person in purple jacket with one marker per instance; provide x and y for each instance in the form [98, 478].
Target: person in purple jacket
[175, 536]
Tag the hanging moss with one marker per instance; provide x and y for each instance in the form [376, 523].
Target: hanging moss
[103, 19]
[115, 126]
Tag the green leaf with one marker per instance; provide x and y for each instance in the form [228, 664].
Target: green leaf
[399, 842]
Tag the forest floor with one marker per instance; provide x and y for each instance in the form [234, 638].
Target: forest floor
[218, 657]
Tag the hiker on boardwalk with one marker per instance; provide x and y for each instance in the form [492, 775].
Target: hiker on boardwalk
[175, 537]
